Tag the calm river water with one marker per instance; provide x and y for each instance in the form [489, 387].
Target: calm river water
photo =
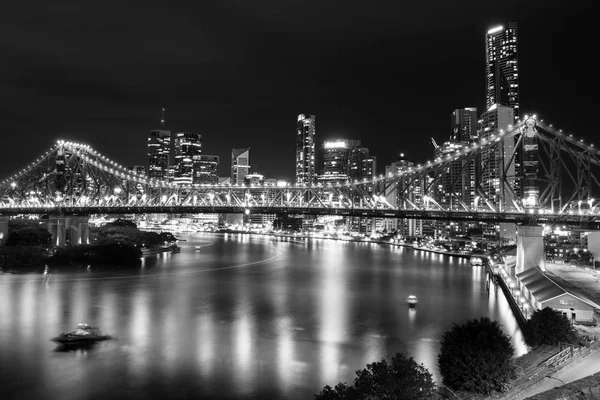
[242, 317]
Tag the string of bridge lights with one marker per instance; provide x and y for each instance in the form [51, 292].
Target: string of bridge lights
[110, 166]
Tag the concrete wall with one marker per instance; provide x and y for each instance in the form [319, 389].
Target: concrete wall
[530, 248]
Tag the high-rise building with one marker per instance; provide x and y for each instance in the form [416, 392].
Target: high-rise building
[306, 173]
[499, 158]
[188, 149]
[159, 154]
[464, 125]
[138, 169]
[361, 164]
[335, 156]
[408, 195]
[240, 165]
[207, 171]
[458, 191]
[501, 67]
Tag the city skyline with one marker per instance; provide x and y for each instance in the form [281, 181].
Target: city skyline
[351, 103]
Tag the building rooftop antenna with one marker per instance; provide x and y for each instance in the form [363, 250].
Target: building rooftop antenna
[162, 118]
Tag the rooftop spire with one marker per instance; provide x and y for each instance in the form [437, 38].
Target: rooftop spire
[162, 118]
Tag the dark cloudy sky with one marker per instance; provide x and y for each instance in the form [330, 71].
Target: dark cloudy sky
[238, 72]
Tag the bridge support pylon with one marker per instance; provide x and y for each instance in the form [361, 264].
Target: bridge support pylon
[530, 248]
[77, 226]
[3, 229]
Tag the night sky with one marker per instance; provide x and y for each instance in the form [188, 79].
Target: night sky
[238, 72]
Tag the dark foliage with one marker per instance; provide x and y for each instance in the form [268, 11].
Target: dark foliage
[105, 253]
[124, 223]
[400, 378]
[548, 326]
[31, 236]
[124, 231]
[476, 357]
[17, 256]
[27, 232]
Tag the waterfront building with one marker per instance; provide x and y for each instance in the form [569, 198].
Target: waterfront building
[306, 172]
[187, 149]
[207, 171]
[159, 154]
[501, 67]
[240, 165]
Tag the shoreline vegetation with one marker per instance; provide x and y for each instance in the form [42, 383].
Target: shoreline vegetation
[118, 243]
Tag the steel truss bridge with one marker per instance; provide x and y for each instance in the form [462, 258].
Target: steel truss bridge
[545, 176]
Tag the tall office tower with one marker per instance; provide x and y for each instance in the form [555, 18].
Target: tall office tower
[408, 195]
[138, 169]
[306, 172]
[159, 154]
[240, 165]
[207, 170]
[188, 149]
[361, 164]
[459, 185]
[501, 67]
[500, 158]
[336, 160]
[464, 125]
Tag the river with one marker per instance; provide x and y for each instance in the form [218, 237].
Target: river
[241, 317]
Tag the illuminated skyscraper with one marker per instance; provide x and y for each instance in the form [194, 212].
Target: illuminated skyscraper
[336, 160]
[207, 171]
[240, 165]
[361, 164]
[464, 125]
[459, 180]
[497, 159]
[501, 67]
[306, 173]
[159, 150]
[188, 148]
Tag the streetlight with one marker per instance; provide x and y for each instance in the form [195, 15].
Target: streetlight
[512, 287]
[525, 308]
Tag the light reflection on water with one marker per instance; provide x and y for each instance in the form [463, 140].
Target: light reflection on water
[311, 316]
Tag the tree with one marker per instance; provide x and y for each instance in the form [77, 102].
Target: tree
[400, 378]
[29, 236]
[476, 357]
[548, 326]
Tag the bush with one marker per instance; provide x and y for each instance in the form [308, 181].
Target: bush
[400, 378]
[476, 357]
[103, 253]
[548, 326]
[25, 232]
[17, 256]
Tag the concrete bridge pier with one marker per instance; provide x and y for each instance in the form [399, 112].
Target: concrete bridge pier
[530, 248]
[3, 229]
[78, 228]
[593, 240]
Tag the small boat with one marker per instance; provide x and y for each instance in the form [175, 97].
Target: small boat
[412, 300]
[82, 335]
[197, 247]
[476, 261]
